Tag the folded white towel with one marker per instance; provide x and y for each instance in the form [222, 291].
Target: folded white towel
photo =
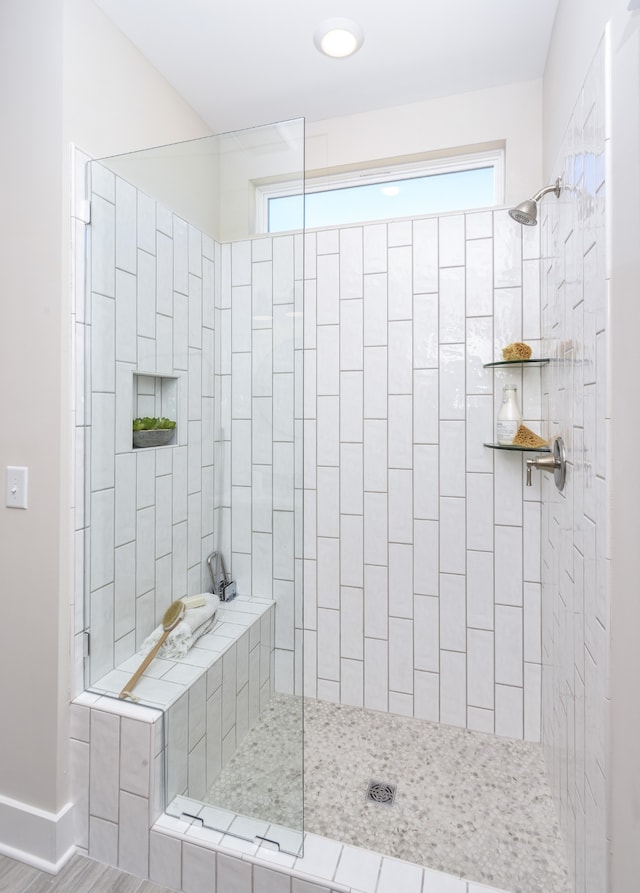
[195, 623]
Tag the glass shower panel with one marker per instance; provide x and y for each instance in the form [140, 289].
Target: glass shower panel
[198, 321]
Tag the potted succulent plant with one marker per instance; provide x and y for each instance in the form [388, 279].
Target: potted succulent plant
[150, 432]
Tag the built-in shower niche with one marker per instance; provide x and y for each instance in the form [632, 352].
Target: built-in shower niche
[156, 396]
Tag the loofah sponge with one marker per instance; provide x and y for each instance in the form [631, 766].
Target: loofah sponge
[518, 350]
[526, 437]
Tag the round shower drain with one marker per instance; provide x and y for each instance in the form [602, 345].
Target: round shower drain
[381, 792]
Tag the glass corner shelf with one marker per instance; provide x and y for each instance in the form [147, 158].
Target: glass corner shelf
[542, 361]
[518, 447]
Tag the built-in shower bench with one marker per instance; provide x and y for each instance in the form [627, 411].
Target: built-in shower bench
[211, 697]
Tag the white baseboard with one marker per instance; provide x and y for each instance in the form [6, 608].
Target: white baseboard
[38, 838]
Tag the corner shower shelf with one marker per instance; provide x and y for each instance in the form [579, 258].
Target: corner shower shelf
[518, 447]
[543, 361]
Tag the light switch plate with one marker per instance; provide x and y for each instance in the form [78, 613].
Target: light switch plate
[17, 486]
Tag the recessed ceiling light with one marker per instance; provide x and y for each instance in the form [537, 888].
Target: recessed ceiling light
[338, 38]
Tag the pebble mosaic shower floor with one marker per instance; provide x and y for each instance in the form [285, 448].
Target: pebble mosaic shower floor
[468, 804]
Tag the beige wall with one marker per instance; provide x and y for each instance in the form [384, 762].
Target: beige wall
[624, 438]
[105, 108]
[512, 114]
[32, 661]
[115, 101]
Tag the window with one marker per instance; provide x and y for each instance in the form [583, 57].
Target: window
[410, 190]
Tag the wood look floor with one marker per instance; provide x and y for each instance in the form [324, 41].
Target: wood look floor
[80, 875]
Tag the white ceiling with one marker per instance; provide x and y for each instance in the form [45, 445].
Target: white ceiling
[240, 63]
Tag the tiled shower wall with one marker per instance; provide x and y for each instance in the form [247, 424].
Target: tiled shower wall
[209, 329]
[575, 541]
[258, 499]
[150, 510]
[421, 547]
[422, 557]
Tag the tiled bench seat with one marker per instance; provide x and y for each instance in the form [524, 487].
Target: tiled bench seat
[212, 697]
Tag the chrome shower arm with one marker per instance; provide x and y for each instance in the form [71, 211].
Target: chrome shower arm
[557, 186]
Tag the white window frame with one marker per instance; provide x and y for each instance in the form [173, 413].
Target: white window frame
[385, 174]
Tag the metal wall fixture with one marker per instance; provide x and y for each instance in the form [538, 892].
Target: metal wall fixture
[555, 464]
[221, 583]
[526, 213]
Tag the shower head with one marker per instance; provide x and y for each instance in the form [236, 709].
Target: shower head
[526, 213]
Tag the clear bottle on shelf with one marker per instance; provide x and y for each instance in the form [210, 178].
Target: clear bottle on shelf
[509, 417]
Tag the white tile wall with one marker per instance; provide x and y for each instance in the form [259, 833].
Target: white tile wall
[408, 516]
[575, 541]
[147, 269]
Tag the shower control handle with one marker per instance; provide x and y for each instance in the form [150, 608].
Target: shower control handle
[555, 463]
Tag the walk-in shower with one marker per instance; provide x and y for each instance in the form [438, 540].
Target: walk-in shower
[340, 375]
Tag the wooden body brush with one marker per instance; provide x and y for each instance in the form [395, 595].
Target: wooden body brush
[170, 619]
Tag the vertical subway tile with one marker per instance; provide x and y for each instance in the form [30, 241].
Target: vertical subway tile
[376, 662]
[283, 265]
[480, 512]
[351, 550]
[400, 505]
[509, 711]
[328, 289]
[375, 310]
[328, 363]
[426, 697]
[425, 331]
[425, 481]
[164, 274]
[180, 256]
[425, 256]
[453, 612]
[105, 756]
[351, 406]
[452, 535]
[480, 672]
[400, 420]
[375, 601]
[401, 573]
[400, 357]
[452, 381]
[375, 248]
[426, 401]
[133, 848]
[508, 565]
[426, 633]
[426, 557]
[480, 589]
[452, 458]
[452, 305]
[375, 382]
[508, 645]
[507, 248]
[400, 286]
[375, 528]
[351, 345]
[328, 550]
[479, 277]
[451, 234]
[453, 688]
[103, 342]
[351, 262]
